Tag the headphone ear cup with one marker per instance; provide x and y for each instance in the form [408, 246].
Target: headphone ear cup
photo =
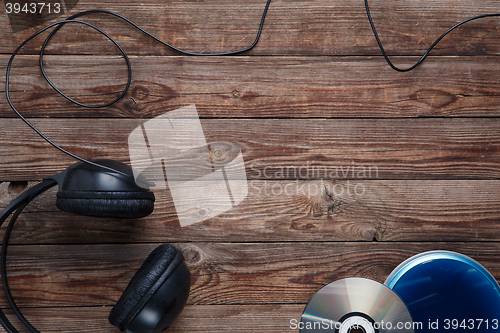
[121, 205]
[93, 191]
[156, 294]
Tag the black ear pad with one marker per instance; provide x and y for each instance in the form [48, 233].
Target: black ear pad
[94, 191]
[155, 295]
[121, 205]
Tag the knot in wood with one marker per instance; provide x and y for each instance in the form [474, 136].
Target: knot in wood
[192, 254]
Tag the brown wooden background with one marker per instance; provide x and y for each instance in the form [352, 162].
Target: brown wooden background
[315, 93]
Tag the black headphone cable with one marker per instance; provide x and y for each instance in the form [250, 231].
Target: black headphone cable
[72, 19]
[386, 57]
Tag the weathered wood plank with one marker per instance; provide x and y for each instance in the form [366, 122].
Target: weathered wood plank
[280, 148]
[285, 87]
[195, 318]
[222, 273]
[357, 210]
[81, 319]
[317, 27]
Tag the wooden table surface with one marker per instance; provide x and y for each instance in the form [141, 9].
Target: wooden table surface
[387, 164]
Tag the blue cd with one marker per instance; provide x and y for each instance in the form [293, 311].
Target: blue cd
[447, 292]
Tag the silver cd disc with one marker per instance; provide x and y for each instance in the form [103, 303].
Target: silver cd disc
[356, 305]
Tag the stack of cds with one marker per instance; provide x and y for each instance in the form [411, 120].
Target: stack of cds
[437, 291]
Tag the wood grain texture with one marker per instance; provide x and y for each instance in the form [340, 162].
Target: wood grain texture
[280, 148]
[292, 211]
[257, 87]
[222, 273]
[314, 27]
[352, 168]
[195, 318]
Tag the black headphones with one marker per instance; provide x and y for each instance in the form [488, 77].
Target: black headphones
[159, 290]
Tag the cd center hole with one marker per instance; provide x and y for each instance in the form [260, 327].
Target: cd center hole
[356, 329]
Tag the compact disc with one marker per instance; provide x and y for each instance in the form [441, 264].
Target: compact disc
[447, 291]
[356, 305]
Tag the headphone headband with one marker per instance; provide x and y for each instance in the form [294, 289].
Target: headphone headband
[27, 196]
[18, 205]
